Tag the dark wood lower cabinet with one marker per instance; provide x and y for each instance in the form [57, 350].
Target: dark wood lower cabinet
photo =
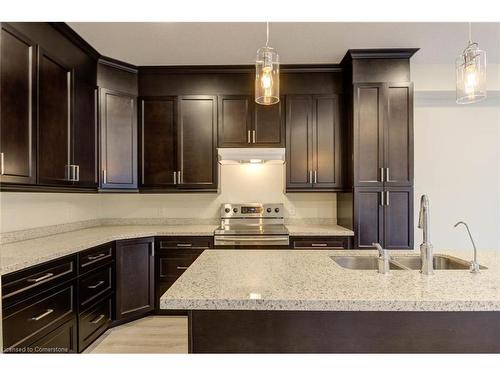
[61, 340]
[134, 278]
[94, 321]
[219, 331]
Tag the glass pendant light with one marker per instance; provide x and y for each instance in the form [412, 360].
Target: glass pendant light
[267, 74]
[471, 74]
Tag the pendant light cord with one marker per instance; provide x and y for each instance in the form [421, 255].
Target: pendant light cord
[267, 34]
[470, 32]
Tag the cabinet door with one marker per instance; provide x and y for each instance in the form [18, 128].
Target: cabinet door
[118, 140]
[269, 127]
[298, 142]
[326, 142]
[84, 135]
[196, 140]
[54, 120]
[398, 218]
[158, 142]
[398, 135]
[134, 277]
[368, 217]
[369, 109]
[18, 101]
[235, 121]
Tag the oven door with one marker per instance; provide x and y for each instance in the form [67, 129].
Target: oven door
[259, 241]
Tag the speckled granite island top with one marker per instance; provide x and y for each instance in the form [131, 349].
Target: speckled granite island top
[18, 255]
[309, 280]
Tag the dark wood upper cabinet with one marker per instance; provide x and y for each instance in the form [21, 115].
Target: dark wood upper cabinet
[243, 123]
[118, 140]
[368, 113]
[197, 141]
[84, 153]
[314, 129]
[134, 277]
[383, 134]
[18, 104]
[235, 121]
[269, 125]
[55, 85]
[299, 141]
[158, 146]
[398, 138]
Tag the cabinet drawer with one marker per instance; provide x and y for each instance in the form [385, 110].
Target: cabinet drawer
[38, 278]
[172, 266]
[327, 243]
[95, 284]
[24, 320]
[186, 243]
[95, 257]
[93, 322]
[61, 340]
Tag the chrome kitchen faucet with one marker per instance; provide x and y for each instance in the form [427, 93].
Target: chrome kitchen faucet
[426, 251]
[474, 265]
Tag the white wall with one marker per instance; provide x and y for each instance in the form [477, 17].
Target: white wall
[239, 184]
[457, 159]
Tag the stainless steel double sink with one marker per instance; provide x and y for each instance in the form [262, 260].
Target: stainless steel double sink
[402, 262]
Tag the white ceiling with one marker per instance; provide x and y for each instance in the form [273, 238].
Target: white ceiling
[196, 43]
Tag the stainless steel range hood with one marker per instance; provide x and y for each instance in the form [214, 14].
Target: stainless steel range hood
[251, 155]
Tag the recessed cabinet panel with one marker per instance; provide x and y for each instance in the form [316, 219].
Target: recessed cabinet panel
[399, 135]
[299, 141]
[197, 134]
[235, 121]
[327, 142]
[368, 213]
[118, 140]
[159, 143]
[368, 135]
[269, 125]
[54, 120]
[398, 221]
[18, 100]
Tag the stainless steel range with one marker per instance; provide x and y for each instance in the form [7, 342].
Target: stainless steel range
[251, 225]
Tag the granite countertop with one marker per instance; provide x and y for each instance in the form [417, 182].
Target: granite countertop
[310, 280]
[18, 255]
[15, 256]
[318, 230]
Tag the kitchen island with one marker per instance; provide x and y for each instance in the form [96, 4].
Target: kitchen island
[302, 301]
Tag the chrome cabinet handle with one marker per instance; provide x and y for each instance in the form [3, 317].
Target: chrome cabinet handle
[253, 136]
[179, 177]
[387, 179]
[97, 320]
[43, 315]
[386, 198]
[382, 198]
[248, 136]
[77, 173]
[2, 168]
[94, 257]
[41, 278]
[181, 268]
[319, 244]
[255, 238]
[184, 245]
[104, 177]
[96, 285]
[310, 177]
[315, 177]
[382, 179]
[175, 178]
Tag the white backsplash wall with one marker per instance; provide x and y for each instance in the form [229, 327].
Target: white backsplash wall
[32, 210]
[238, 184]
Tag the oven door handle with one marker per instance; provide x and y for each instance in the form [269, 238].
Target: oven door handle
[253, 238]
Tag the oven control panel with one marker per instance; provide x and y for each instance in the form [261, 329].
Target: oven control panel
[242, 210]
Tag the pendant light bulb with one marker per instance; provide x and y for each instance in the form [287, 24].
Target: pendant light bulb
[471, 73]
[267, 74]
